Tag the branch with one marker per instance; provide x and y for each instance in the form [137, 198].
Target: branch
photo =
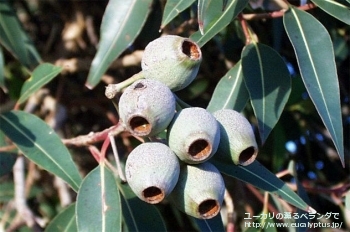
[275, 14]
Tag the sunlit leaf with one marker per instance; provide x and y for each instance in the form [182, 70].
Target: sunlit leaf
[15, 39]
[334, 8]
[256, 174]
[39, 143]
[98, 202]
[173, 8]
[233, 8]
[230, 92]
[121, 23]
[214, 224]
[314, 51]
[268, 82]
[64, 221]
[139, 215]
[202, 9]
[41, 75]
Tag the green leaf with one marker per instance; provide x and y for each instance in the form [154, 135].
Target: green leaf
[268, 82]
[336, 9]
[7, 160]
[173, 8]
[214, 224]
[233, 8]
[2, 72]
[64, 221]
[98, 202]
[230, 92]
[257, 175]
[41, 75]
[139, 215]
[121, 23]
[314, 51]
[15, 39]
[39, 143]
[206, 9]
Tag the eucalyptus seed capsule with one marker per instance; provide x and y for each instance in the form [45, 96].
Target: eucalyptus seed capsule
[199, 191]
[146, 107]
[237, 139]
[173, 60]
[194, 135]
[152, 171]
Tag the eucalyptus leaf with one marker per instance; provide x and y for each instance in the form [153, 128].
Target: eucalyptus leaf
[2, 73]
[230, 92]
[214, 224]
[64, 221]
[7, 160]
[139, 215]
[98, 202]
[233, 8]
[173, 8]
[334, 8]
[15, 39]
[39, 143]
[121, 23]
[206, 9]
[41, 75]
[256, 174]
[268, 82]
[318, 69]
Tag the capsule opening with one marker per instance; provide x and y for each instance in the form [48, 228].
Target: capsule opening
[209, 208]
[153, 195]
[247, 156]
[199, 149]
[191, 50]
[140, 125]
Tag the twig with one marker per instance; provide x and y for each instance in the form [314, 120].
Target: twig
[116, 157]
[114, 89]
[230, 212]
[94, 137]
[20, 197]
[275, 14]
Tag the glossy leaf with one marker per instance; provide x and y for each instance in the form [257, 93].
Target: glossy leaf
[203, 6]
[334, 8]
[98, 202]
[2, 66]
[230, 92]
[121, 23]
[173, 8]
[139, 215]
[318, 69]
[233, 8]
[39, 143]
[15, 39]
[256, 174]
[214, 224]
[41, 75]
[268, 82]
[64, 221]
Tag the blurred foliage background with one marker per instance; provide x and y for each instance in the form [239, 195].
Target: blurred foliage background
[66, 33]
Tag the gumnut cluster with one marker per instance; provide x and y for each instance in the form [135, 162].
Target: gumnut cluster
[179, 168]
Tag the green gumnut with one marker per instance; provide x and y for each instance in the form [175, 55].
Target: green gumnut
[173, 60]
[237, 139]
[193, 135]
[199, 191]
[146, 107]
[152, 171]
